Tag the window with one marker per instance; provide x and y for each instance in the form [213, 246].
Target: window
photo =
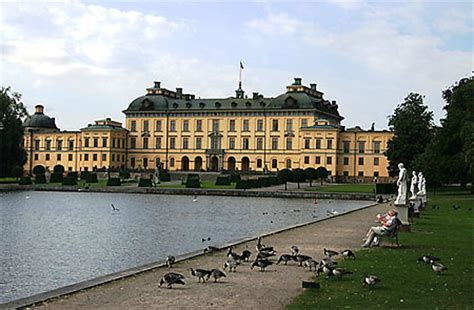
[361, 161]
[376, 147]
[346, 146]
[59, 145]
[307, 143]
[361, 147]
[185, 143]
[158, 143]
[345, 173]
[259, 143]
[36, 157]
[245, 143]
[86, 142]
[145, 126]
[274, 164]
[71, 145]
[104, 157]
[48, 145]
[86, 157]
[133, 143]
[275, 125]
[260, 125]
[289, 143]
[245, 126]
[232, 125]
[376, 161]
[198, 143]
[346, 161]
[318, 144]
[96, 142]
[185, 125]
[133, 126]
[132, 162]
[215, 125]
[361, 173]
[173, 125]
[329, 144]
[145, 162]
[94, 157]
[69, 157]
[145, 143]
[113, 157]
[37, 145]
[288, 164]
[58, 157]
[304, 123]
[104, 142]
[329, 160]
[318, 160]
[172, 143]
[158, 125]
[306, 160]
[114, 142]
[376, 173]
[231, 143]
[215, 143]
[289, 125]
[259, 163]
[274, 143]
[47, 156]
[171, 162]
[199, 125]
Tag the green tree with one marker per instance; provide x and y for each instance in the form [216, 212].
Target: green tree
[12, 112]
[299, 176]
[322, 173]
[284, 176]
[412, 125]
[311, 175]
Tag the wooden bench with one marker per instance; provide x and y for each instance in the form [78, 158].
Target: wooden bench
[392, 235]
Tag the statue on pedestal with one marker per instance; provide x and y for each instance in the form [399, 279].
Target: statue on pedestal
[413, 185]
[421, 184]
[156, 175]
[402, 185]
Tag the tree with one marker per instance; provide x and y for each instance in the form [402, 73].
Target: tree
[311, 175]
[299, 176]
[412, 125]
[12, 112]
[58, 169]
[322, 174]
[284, 176]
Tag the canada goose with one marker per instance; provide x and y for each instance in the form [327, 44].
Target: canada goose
[330, 253]
[262, 263]
[172, 278]
[262, 248]
[427, 259]
[327, 261]
[231, 263]
[216, 274]
[310, 263]
[285, 258]
[200, 274]
[438, 267]
[370, 281]
[245, 255]
[264, 255]
[294, 250]
[339, 272]
[300, 258]
[234, 255]
[326, 269]
[210, 249]
[347, 254]
[170, 260]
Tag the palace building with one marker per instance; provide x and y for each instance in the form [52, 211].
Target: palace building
[297, 129]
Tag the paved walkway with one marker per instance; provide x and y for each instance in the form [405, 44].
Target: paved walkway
[244, 289]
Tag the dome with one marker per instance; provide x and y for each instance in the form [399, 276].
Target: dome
[39, 120]
[148, 103]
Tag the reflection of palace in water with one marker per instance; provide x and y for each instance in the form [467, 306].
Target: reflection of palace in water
[297, 129]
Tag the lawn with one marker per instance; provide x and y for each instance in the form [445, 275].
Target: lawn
[204, 184]
[8, 180]
[343, 188]
[444, 232]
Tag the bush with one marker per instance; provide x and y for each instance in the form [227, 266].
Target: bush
[25, 181]
[124, 174]
[17, 171]
[39, 170]
[40, 179]
[72, 174]
[273, 181]
[386, 188]
[223, 180]
[193, 182]
[243, 184]
[234, 177]
[264, 182]
[91, 178]
[84, 175]
[144, 183]
[56, 178]
[59, 169]
[113, 182]
[70, 180]
[165, 176]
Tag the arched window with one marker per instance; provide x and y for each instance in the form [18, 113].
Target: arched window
[274, 164]
[288, 163]
[171, 162]
[259, 163]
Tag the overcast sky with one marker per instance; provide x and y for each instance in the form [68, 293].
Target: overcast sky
[86, 60]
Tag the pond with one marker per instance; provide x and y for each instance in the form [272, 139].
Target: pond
[53, 239]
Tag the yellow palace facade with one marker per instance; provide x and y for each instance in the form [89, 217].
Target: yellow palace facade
[297, 129]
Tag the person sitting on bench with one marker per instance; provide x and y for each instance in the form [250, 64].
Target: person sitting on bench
[389, 224]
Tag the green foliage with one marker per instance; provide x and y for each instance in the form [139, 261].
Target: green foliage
[273, 180]
[344, 188]
[113, 182]
[59, 169]
[412, 125]
[193, 182]
[234, 177]
[165, 176]
[72, 174]
[285, 175]
[84, 174]
[17, 171]
[69, 181]
[56, 178]
[12, 112]
[124, 174]
[310, 174]
[144, 182]
[25, 181]
[385, 188]
[264, 182]
[243, 184]
[39, 170]
[91, 177]
[322, 173]
[40, 179]
[223, 180]
[299, 176]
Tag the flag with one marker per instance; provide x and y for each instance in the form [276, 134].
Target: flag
[241, 65]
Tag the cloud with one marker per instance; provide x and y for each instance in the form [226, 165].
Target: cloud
[276, 24]
[455, 21]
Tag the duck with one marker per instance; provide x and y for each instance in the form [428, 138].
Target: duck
[216, 274]
[285, 258]
[245, 255]
[330, 253]
[170, 260]
[262, 263]
[348, 254]
[339, 272]
[427, 259]
[172, 278]
[300, 258]
[200, 274]
[370, 281]
[310, 263]
[438, 267]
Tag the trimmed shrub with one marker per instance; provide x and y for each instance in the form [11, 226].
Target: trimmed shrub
[72, 174]
[144, 183]
[39, 170]
[113, 182]
[40, 179]
[59, 169]
[264, 182]
[193, 182]
[84, 175]
[223, 180]
[386, 188]
[25, 181]
[69, 180]
[91, 178]
[165, 176]
[56, 178]
[243, 184]
[124, 174]
[234, 177]
[273, 181]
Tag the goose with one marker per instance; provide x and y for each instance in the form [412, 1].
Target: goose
[200, 274]
[339, 272]
[234, 255]
[231, 263]
[294, 250]
[262, 263]
[210, 249]
[300, 258]
[427, 259]
[172, 278]
[216, 274]
[370, 281]
[326, 269]
[264, 255]
[245, 255]
[327, 261]
[262, 248]
[310, 263]
[438, 267]
[330, 253]
[170, 260]
[285, 258]
[347, 254]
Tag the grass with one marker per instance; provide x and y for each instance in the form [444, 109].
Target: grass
[204, 184]
[343, 188]
[445, 233]
[8, 180]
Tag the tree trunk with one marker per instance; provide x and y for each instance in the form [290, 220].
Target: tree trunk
[286, 188]
[298, 185]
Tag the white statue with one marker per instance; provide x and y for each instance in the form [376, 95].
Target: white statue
[402, 185]
[421, 184]
[413, 185]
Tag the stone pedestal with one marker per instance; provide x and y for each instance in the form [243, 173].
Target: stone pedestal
[402, 210]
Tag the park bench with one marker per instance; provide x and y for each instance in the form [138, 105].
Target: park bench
[392, 234]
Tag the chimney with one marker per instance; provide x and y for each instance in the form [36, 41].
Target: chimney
[255, 96]
[157, 84]
[39, 109]
[313, 86]
[179, 90]
[333, 102]
[297, 81]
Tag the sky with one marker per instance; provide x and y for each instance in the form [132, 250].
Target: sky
[87, 60]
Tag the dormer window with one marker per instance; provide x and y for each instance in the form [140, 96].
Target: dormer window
[262, 104]
[218, 104]
[248, 104]
[234, 104]
[202, 104]
[188, 105]
[175, 105]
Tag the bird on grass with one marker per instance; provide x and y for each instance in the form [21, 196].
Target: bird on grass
[216, 274]
[170, 260]
[327, 261]
[232, 254]
[370, 281]
[262, 263]
[339, 272]
[438, 267]
[427, 259]
[348, 254]
[310, 263]
[172, 278]
[200, 274]
[330, 253]
[300, 258]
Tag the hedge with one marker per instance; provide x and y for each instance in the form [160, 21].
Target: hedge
[69, 180]
[193, 183]
[72, 174]
[385, 188]
[235, 177]
[223, 180]
[144, 183]
[243, 184]
[56, 178]
[91, 178]
[165, 176]
[124, 174]
[113, 182]
[40, 179]
[25, 181]
[83, 175]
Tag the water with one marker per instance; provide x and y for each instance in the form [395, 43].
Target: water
[53, 239]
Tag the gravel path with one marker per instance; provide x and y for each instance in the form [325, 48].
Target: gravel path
[244, 289]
